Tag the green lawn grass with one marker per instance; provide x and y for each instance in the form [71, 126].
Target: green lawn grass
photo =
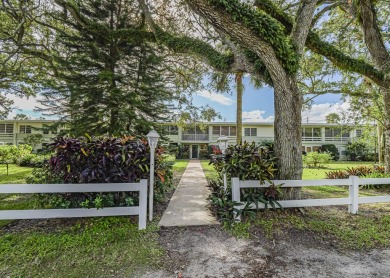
[369, 229]
[89, 247]
[317, 174]
[101, 247]
[208, 170]
[16, 174]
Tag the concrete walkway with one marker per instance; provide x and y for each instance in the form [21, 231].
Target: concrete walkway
[188, 205]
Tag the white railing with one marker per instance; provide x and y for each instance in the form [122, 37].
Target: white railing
[337, 139]
[195, 137]
[140, 210]
[353, 200]
[311, 139]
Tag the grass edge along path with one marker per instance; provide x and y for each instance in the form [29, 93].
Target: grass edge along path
[367, 230]
[89, 247]
[96, 247]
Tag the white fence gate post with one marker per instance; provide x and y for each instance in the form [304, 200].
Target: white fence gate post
[224, 181]
[236, 194]
[354, 195]
[143, 197]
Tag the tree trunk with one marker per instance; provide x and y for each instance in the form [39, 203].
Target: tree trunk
[380, 144]
[287, 133]
[386, 128]
[240, 91]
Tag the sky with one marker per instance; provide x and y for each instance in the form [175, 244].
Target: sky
[257, 105]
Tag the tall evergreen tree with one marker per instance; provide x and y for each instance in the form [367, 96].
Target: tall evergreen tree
[112, 80]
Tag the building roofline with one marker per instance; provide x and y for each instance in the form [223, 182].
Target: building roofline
[269, 124]
[31, 121]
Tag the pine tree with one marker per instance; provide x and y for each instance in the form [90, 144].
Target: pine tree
[111, 79]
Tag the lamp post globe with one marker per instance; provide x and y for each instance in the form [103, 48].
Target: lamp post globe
[223, 143]
[152, 140]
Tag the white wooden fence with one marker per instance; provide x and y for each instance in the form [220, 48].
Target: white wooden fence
[141, 211]
[353, 200]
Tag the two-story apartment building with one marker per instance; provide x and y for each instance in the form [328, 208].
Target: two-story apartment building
[314, 135]
[13, 132]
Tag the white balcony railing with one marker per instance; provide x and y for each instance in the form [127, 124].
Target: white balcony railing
[194, 137]
[337, 139]
[312, 139]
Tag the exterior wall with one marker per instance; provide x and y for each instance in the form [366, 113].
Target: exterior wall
[17, 137]
[264, 132]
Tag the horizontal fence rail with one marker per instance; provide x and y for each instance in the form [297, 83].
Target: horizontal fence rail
[139, 210]
[353, 200]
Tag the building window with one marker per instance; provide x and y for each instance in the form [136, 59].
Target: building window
[358, 132]
[316, 132]
[216, 130]
[336, 132]
[173, 130]
[311, 132]
[6, 128]
[233, 131]
[25, 129]
[345, 134]
[250, 132]
[316, 148]
[170, 129]
[225, 130]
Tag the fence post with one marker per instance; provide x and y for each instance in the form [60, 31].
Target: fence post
[143, 200]
[354, 195]
[236, 195]
[224, 181]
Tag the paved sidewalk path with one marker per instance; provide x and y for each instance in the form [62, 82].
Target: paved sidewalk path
[188, 205]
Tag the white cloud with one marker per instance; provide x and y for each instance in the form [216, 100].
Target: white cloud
[256, 116]
[24, 103]
[24, 106]
[318, 112]
[220, 98]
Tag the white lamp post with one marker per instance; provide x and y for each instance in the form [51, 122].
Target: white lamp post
[152, 140]
[223, 144]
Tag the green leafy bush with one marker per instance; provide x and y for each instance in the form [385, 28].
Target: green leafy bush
[376, 175]
[11, 154]
[338, 174]
[332, 149]
[316, 159]
[32, 160]
[359, 151]
[247, 162]
[362, 171]
[99, 160]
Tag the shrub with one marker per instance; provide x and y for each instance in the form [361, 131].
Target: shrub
[338, 174]
[358, 151]
[184, 152]
[100, 160]
[245, 161]
[203, 154]
[10, 153]
[316, 159]
[360, 170]
[376, 175]
[332, 149]
[379, 169]
[32, 160]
